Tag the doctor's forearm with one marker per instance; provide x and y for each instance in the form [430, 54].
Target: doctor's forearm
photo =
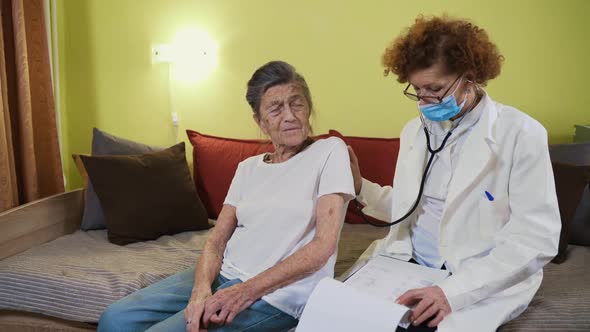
[377, 200]
[508, 264]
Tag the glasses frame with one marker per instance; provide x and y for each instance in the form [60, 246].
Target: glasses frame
[436, 99]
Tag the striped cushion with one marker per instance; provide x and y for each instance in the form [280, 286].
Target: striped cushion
[77, 276]
[562, 303]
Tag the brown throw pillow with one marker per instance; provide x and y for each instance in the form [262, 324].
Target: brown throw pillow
[146, 196]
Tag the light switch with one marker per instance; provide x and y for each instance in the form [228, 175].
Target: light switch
[162, 53]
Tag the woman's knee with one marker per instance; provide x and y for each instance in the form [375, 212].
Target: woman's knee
[115, 318]
[108, 319]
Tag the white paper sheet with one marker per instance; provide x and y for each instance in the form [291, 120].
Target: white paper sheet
[388, 278]
[333, 306]
[366, 300]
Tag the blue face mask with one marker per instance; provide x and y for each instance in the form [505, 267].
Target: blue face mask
[446, 110]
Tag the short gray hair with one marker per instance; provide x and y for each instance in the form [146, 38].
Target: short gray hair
[272, 74]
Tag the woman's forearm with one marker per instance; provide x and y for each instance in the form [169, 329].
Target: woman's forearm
[306, 261]
[209, 263]
[312, 256]
[208, 266]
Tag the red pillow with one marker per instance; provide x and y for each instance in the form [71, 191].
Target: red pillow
[377, 159]
[215, 160]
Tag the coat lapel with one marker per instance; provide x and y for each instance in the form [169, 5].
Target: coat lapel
[477, 156]
[414, 166]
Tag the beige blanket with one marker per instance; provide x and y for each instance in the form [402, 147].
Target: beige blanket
[78, 275]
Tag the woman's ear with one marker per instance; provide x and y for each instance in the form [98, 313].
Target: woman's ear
[310, 120]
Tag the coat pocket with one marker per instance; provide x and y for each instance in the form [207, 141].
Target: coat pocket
[493, 215]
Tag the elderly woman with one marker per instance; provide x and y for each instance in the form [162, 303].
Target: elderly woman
[275, 237]
[473, 190]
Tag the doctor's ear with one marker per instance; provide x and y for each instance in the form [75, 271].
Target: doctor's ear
[471, 85]
[471, 81]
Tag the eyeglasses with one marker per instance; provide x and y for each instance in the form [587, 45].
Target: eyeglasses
[429, 99]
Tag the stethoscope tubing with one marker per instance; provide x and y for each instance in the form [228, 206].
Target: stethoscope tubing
[422, 183]
[424, 175]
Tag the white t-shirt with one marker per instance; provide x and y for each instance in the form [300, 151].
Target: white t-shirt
[275, 206]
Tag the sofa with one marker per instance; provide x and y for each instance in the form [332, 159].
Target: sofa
[56, 218]
[46, 235]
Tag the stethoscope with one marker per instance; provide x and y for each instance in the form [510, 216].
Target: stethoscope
[424, 175]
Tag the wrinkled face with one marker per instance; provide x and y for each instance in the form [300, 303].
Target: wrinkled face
[284, 115]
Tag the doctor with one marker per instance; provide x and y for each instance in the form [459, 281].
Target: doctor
[488, 211]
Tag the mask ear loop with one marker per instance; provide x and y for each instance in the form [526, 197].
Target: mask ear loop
[472, 106]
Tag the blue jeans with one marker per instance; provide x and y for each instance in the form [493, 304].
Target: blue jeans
[160, 307]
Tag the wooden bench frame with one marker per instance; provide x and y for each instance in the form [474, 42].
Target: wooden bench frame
[41, 221]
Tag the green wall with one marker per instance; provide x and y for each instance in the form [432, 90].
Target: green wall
[108, 81]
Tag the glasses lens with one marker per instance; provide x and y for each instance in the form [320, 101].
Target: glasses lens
[430, 99]
[411, 96]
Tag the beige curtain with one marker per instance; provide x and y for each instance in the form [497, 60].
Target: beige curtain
[30, 163]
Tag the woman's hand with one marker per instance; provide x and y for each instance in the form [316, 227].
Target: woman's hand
[227, 303]
[195, 308]
[356, 171]
[429, 302]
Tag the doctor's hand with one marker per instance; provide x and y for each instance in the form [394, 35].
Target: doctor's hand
[226, 304]
[428, 302]
[356, 171]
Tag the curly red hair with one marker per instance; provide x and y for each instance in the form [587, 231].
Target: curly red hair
[461, 46]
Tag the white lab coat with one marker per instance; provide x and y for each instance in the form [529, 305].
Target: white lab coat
[496, 249]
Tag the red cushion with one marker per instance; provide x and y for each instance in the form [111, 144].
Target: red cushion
[377, 159]
[215, 160]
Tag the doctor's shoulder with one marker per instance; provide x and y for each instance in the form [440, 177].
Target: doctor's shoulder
[513, 121]
[411, 127]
